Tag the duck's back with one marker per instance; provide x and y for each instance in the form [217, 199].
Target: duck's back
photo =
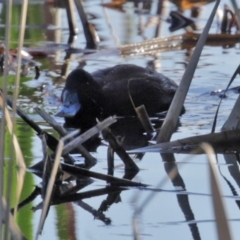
[144, 85]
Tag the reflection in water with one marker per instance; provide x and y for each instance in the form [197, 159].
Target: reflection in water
[24, 218]
[67, 191]
[183, 200]
[140, 6]
[190, 4]
[66, 222]
[131, 132]
[232, 160]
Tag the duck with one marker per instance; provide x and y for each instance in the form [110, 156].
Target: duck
[115, 90]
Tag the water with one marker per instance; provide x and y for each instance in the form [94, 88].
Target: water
[169, 214]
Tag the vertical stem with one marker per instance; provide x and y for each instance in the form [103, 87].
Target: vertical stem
[71, 23]
[20, 177]
[170, 122]
[91, 43]
[3, 122]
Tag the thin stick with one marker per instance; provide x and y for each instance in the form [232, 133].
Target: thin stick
[13, 227]
[222, 223]
[144, 118]
[79, 172]
[19, 156]
[88, 31]
[3, 123]
[140, 111]
[114, 144]
[88, 134]
[237, 13]
[71, 22]
[51, 182]
[51, 140]
[171, 120]
[90, 160]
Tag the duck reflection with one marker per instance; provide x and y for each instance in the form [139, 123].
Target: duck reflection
[129, 132]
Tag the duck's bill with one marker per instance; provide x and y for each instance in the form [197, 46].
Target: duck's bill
[68, 111]
[70, 105]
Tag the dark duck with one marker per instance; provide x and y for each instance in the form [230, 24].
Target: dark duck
[87, 97]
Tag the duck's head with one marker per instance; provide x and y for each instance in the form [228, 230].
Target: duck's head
[70, 104]
[80, 94]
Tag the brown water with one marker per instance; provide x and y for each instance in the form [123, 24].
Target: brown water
[169, 214]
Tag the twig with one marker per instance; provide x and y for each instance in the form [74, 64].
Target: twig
[222, 142]
[140, 111]
[51, 182]
[79, 172]
[222, 223]
[88, 134]
[109, 137]
[97, 214]
[110, 160]
[171, 120]
[16, 233]
[19, 156]
[82, 195]
[90, 160]
[3, 123]
[87, 28]
[71, 23]
[144, 118]
[233, 121]
[51, 140]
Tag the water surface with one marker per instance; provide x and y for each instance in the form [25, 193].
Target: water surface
[169, 214]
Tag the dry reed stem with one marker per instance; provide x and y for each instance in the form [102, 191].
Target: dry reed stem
[18, 153]
[223, 230]
[88, 30]
[3, 123]
[90, 161]
[6, 114]
[140, 111]
[233, 121]
[222, 142]
[237, 12]
[13, 227]
[144, 118]
[51, 181]
[19, 55]
[11, 124]
[171, 120]
[117, 147]
[71, 21]
[115, 181]
[88, 134]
